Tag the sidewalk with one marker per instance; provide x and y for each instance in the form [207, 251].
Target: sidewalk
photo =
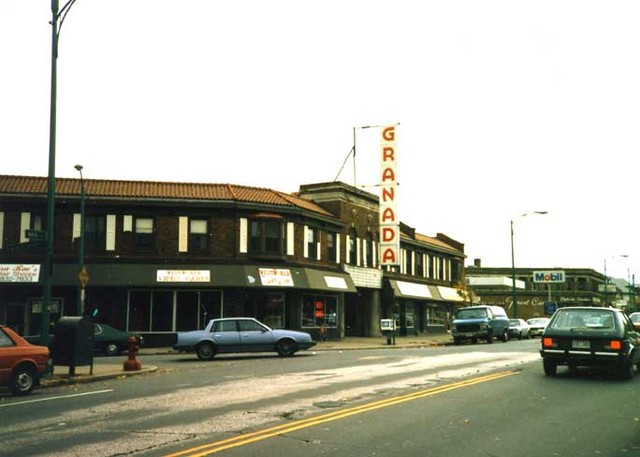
[115, 370]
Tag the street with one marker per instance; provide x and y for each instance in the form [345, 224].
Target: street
[472, 400]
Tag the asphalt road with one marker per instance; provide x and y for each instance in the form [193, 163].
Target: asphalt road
[423, 401]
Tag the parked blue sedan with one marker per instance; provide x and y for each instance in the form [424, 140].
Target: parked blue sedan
[241, 334]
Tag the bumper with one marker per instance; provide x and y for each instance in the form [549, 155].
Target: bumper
[585, 358]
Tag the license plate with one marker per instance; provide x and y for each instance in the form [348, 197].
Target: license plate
[580, 344]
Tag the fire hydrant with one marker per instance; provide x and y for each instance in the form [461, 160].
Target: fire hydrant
[132, 363]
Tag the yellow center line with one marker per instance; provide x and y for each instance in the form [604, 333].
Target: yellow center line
[241, 440]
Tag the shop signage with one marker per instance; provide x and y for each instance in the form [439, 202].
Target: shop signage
[183, 276]
[19, 273]
[335, 282]
[275, 277]
[389, 221]
[554, 276]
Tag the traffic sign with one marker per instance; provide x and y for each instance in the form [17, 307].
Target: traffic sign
[83, 276]
[36, 235]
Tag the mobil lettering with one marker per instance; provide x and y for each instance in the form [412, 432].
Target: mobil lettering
[548, 276]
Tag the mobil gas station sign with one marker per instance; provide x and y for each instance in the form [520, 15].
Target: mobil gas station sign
[551, 276]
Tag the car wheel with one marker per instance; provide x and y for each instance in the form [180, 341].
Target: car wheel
[286, 348]
[505, 336]
[627, 370]
[456, 341]
[112, 349]
[573, 369]
[520, 335]
[22, 380]
[550, 367]
[206, 351]
[474, 340]
[490, 338]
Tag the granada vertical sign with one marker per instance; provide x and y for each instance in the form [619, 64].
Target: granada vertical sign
[389, 222]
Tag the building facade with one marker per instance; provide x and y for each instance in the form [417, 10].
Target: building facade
[165, 257]
[536, 286]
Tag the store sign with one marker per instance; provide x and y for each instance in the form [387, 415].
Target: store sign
[275, 277]
[389, 221]
[183, 276]
[554, 276]
[19, 273]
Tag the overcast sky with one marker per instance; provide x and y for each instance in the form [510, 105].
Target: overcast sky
[505, 108]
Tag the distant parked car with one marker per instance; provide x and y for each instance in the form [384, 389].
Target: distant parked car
[111, 341]
[590, 337]
[21, 363]
[537, 325]
[518, 328]
[480, 322]
[241, 334]
[635, 318]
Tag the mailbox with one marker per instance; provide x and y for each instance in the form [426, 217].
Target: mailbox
[388, 328]
[73, 342]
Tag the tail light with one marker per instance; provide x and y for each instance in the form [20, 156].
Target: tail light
[548, 342]
[615, 345]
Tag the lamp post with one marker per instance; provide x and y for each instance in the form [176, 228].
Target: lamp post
[57, 19]
[82, 273]
[606, 278]
[514, 296]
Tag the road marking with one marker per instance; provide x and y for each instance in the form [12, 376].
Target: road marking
[39, 400]
[241, 440]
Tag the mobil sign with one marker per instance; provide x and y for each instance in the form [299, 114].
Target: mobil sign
[548, 276]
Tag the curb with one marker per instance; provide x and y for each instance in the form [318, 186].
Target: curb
[59, 380]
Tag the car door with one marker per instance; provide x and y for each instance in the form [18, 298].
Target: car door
[226, 336]
[255, 337]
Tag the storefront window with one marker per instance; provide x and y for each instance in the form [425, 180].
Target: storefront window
[162, 314]
[320, 311]
[270, 310]
[186, 311]
[139, 311]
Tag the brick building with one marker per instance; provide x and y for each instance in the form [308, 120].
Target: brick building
[165, 257]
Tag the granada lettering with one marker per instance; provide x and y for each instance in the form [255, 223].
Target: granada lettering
[388, 175]
[388, 154]
[389, 133]
[388, 215]
[388, 234]
[389, 256]
[388, 194]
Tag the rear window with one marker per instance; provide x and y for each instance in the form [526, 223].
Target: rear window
[583, 319]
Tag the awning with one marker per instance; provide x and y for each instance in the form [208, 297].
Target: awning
[329, 280]
[405, 289]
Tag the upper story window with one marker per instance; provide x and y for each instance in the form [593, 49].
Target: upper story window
[266, 237]
[198, 235]
[95, 232]
[369, 248]
[353, 247]
[332, 244]
[312, 242]
[419, 264]
[144, 236]
[408, 261]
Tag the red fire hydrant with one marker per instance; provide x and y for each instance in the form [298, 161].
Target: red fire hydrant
[132, 363]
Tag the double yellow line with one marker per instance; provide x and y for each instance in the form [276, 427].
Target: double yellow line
[241, 440]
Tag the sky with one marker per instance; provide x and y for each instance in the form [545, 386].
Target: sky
[504, 108]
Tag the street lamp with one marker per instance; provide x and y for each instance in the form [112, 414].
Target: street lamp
[82, 273]
[514, 297]
[606, 278]
[57, 19]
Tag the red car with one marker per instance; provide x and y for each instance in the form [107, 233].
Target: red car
[21, 363]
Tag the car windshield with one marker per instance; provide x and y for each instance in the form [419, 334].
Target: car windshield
[472, 313]
[515, 322]
[584, 320]
[635, 317]
[537, 321]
